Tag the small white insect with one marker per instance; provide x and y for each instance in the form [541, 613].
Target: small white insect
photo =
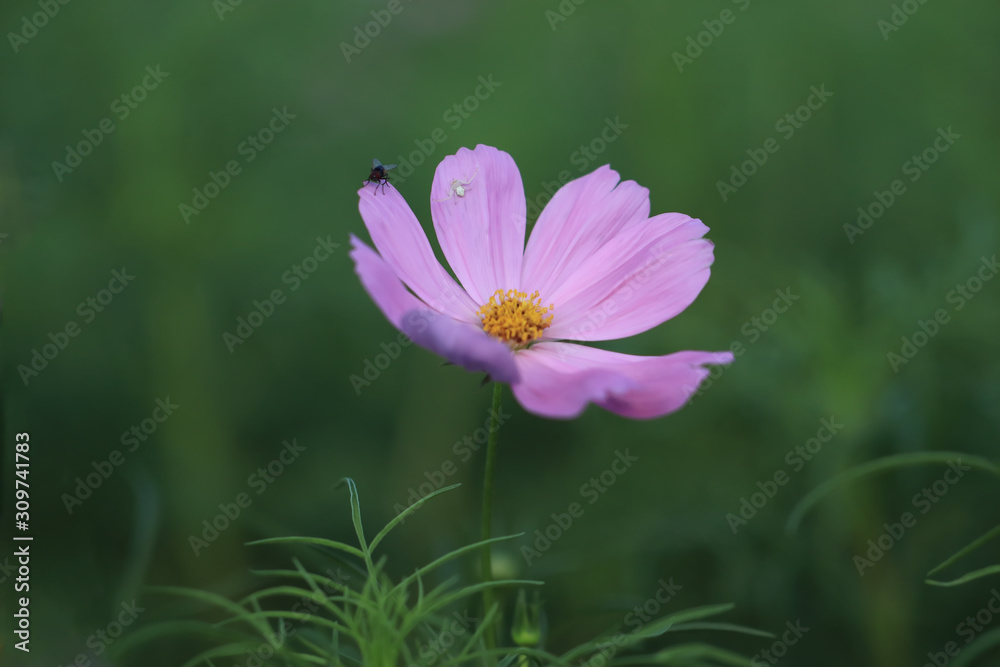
[458, 187]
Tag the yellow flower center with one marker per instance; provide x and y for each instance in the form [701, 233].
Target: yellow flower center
[514, 317]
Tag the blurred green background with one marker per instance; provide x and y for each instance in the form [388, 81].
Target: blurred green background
[564, 71]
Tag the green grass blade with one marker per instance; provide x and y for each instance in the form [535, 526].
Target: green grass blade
[966, 578]
[880, 465]
[356, 512]
[318, 621]
[473, 589]
[238, 649]
[238, 611]
[721, 627]
[967, 549]
[685, 654]
[164, 629]
[486, 623]
[451, 555]
[983, 643]
[653, 629]
[296, 574]
[322, 600]
[405, 513]
[657, 628]
[313, 541]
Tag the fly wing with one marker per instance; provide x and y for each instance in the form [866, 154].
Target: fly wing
[387, 167]
[376, 164]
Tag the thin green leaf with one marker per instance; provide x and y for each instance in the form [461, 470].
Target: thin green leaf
[966, 578]
[486, 623]
[657, 628]
[685, 653]
[721, 627]
[983, 643]
[165, 629]
[313, 541]
[880, 465]
[305, 617]
[451, 556]
[315, 648]
[355, 512]
[653, 629]
[235, 649]
[509, 660]
[210, 598]
[967, 549]
[405, 513]
[296, 574]
[473, 589]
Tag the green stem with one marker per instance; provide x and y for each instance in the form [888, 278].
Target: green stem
[486, 563]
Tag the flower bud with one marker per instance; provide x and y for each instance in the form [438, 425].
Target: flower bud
[526, 630]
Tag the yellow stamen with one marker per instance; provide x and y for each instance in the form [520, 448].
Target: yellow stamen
[514, 317]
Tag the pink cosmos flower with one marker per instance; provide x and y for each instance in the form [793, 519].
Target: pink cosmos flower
[596, 267]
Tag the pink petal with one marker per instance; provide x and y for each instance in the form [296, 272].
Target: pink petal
[482, 231]
[459, 342]
[403, 245]
[559, 380]
[463, 344]
[582, 216]
[647, 274]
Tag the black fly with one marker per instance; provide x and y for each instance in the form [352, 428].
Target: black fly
[379, 175]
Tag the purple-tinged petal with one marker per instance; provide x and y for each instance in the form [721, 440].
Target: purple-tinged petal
[559, 379]
[647, 274]
[403, 245]
[458, 342]
[382, 284]
[582, 216]
[462, 344]
[481, 231]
